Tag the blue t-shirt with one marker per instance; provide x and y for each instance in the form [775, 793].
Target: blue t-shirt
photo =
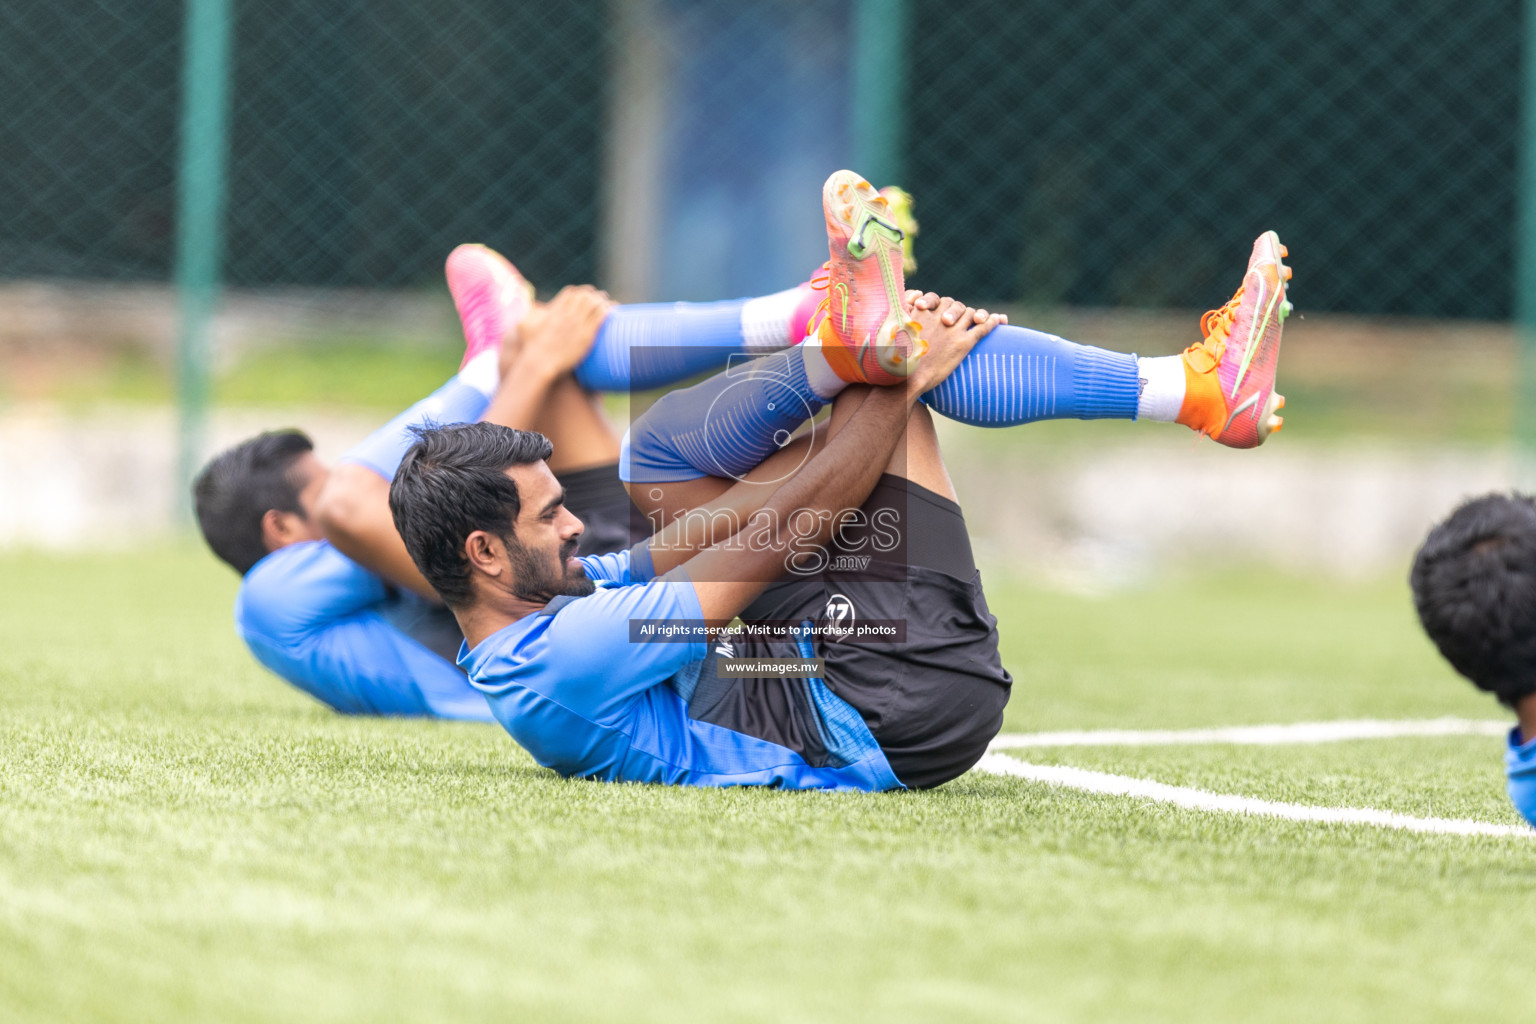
[340, 634]
[1520, 763]
[584, 698]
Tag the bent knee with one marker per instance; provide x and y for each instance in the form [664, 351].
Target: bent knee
[344, 500]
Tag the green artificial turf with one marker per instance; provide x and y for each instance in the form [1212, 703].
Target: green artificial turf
[184, 838]
[361, 375]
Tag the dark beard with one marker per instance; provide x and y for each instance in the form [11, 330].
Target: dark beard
[538, 584]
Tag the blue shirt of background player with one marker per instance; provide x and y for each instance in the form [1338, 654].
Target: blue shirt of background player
[1520, 763]
[340, 634]
[577, 693]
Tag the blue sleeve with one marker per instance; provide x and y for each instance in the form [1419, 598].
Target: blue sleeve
[307, 613]
[1520, 763]
[298, 587]
[646, 345]
[604, 661]
[632, 565]
[384, 449]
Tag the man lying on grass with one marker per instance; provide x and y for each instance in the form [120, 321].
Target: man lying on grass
[329, 599]
[614, 667]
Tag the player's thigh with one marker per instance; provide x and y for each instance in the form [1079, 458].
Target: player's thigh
[903, 624]
[663, 502]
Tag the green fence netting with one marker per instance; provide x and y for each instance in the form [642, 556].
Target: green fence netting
[1097, 153]
[1104, 153]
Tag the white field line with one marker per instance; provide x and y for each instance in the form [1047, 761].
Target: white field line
[1200, 800]
[1261, 735]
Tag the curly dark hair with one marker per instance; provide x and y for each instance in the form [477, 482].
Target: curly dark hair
[452, 482]
[1474, 585]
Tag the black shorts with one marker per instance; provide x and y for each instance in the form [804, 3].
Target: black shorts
[598, 499]
[934, 698]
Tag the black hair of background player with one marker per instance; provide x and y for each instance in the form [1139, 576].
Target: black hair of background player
[237, 488]
[1474, 586]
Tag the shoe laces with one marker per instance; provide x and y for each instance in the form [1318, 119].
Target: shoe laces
[820, 281]
[1216, 326]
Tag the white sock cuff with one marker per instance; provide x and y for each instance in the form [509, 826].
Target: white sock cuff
[765, 321]
[818, 372]
[1162, 388]
[483, 373]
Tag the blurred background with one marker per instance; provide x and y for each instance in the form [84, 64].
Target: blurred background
[218, 216]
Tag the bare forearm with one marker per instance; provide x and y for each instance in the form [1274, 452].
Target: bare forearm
[806, 510]
[354, 514]
[382, 550]
[706, 523]
[842, 476]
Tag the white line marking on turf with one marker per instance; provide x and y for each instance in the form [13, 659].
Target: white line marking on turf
[1263, 735]
[1200, 800]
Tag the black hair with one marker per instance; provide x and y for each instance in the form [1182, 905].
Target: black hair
[452, 482]
[1474, 585]
[237, 488]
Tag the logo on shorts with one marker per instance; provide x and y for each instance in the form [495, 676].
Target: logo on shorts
[839, 611]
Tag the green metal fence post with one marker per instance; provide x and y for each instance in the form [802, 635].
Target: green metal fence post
[199, 218]
[1525, 264]
[879, 88]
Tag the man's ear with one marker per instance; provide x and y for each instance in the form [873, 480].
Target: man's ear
[279, 529]
[486, 553]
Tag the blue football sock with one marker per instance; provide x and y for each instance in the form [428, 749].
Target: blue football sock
[454, 402]
[1015, 375]
[651, 344]
[723, 426]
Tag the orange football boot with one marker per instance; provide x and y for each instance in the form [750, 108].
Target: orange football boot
[865, 332]
[1229, 376]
